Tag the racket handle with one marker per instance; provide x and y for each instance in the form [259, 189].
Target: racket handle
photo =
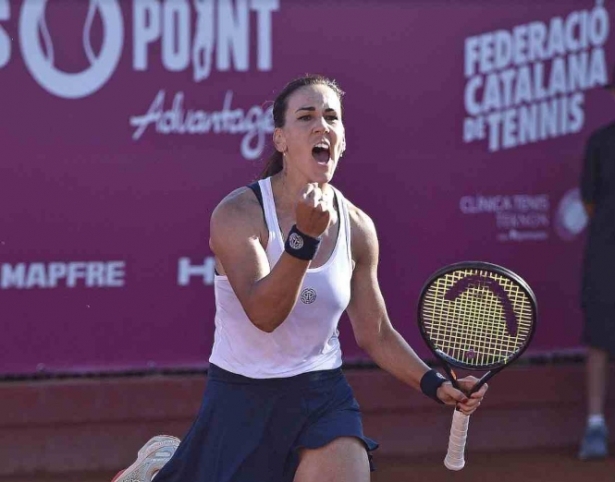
[455, 459]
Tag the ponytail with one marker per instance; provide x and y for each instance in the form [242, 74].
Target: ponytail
[275, 164]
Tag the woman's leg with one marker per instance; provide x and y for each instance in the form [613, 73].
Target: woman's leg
[342, 460]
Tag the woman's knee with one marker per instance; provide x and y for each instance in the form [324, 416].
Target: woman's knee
[342, 459]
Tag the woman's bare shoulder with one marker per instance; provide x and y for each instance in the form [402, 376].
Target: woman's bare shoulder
[238, 208]
[361, 224]
[364, 240]
[240, 202]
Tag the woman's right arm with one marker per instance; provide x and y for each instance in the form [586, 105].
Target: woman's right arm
[266, 295]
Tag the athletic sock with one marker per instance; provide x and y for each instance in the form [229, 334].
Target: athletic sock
[596, 420]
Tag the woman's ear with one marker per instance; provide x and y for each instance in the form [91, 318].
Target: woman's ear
[279, 140]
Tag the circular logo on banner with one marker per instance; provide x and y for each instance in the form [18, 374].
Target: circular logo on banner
[571, 218]
[308, 296]
[40, 61]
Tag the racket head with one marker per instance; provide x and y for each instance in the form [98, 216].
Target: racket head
[477, 315]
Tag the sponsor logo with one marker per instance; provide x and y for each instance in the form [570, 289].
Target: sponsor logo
[39, 58]
[570, 218]
[526, 84]
[206, 35]
[295, 241]
[186, 271]
[308, 296]
[517, 217]
[254, 123]
[87, 274]
[201, 37]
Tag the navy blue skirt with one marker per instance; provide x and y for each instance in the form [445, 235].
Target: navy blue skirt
[250, 430]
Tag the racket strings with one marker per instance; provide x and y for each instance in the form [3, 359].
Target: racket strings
[479, 342]
[477, 345]
[478, 327]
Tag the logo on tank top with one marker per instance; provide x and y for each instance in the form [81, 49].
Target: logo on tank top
[308, 296]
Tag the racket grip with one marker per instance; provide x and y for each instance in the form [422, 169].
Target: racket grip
[455, 459]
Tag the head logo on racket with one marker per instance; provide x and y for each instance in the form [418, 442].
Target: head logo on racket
[479, 281]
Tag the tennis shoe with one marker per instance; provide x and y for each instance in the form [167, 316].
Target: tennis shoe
[150, 459]
[595, 443]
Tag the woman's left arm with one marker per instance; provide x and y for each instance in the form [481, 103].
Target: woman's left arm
[372, 328]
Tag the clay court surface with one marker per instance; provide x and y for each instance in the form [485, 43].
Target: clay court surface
[545, 466]
[87, 430]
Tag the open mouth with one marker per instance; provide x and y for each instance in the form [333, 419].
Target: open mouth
[321, 153]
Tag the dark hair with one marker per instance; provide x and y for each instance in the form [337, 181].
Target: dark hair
[275, 163]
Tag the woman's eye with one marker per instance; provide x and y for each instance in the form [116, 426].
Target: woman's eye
[307, 117]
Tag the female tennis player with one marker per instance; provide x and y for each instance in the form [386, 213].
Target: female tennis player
[292, 254]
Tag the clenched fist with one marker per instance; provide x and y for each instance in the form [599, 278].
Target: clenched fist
[313, 210]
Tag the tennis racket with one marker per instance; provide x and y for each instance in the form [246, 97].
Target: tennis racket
[475, 316]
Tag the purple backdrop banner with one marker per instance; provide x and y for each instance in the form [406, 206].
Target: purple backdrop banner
[125, 122]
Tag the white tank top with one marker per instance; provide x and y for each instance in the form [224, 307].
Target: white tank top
[308, 339]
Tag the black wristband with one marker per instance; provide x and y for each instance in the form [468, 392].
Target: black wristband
[301, 245]
[430, 382]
